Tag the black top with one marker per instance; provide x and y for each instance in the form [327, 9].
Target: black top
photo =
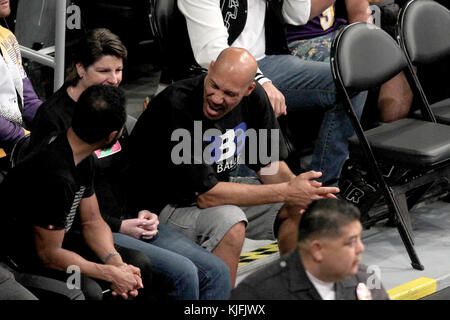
[177, 152]
[45, 190]
[55, 116]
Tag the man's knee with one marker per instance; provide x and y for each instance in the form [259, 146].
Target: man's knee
[395, 99]
[236, 234]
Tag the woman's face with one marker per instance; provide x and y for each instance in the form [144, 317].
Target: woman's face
[106, 71]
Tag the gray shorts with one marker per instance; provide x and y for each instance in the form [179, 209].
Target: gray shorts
[208, 226]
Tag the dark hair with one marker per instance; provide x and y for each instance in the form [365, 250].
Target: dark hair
[96, 44]
[325, 217]
[99, 111]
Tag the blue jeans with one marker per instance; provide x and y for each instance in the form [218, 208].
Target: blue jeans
[193, 272]
[310, 83]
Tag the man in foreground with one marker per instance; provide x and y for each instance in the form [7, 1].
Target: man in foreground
[324, 266]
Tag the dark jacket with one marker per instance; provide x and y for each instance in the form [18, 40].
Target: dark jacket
[286, 279]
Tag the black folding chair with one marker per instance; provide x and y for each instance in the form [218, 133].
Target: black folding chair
[363, 57]
[20, 150]
[423, 34]
[169, 28]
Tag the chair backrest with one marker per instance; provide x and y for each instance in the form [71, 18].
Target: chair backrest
[364, 56]
[19, 151]
[423, 30]
[169, 27]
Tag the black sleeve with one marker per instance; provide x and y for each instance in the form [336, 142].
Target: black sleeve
[88, 169]
[49, 203]
[263, 117]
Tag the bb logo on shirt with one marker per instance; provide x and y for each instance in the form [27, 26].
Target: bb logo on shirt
[225, 150]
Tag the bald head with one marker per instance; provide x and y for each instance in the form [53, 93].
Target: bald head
[230, 78]
[236, 61]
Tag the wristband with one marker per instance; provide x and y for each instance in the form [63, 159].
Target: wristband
[109, 256]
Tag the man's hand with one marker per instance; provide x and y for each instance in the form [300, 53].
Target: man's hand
[276, 99]
[126, 280]
[303, 189]
[151, 226]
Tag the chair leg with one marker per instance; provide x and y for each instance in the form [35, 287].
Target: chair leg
[403, 226]
[404, 211]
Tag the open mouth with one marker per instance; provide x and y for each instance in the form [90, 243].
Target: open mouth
[4, 3]
[214, 110]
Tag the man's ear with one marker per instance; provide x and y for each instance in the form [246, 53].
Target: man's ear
[316, 250]
[112, 136]
[211, 65]
[250, 88]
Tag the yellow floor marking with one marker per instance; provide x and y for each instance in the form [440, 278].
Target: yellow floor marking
[258, 253]
[413, 290]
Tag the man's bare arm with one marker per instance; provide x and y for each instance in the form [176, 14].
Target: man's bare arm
[50, 251]
[282, 187]
[96, 231]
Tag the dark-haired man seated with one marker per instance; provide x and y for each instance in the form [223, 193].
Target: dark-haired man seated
[53, 226]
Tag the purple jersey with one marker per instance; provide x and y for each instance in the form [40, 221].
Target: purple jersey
[324, 23]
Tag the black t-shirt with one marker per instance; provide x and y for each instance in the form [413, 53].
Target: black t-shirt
[177, 152]
[55, 116]
[45, 189]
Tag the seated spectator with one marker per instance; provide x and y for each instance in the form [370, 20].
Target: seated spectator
[59, 227]
[290, 83]
[312, 41]
[10, 289]
[212, 115]
[18, 100]
[182, 269]
[324, 266]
